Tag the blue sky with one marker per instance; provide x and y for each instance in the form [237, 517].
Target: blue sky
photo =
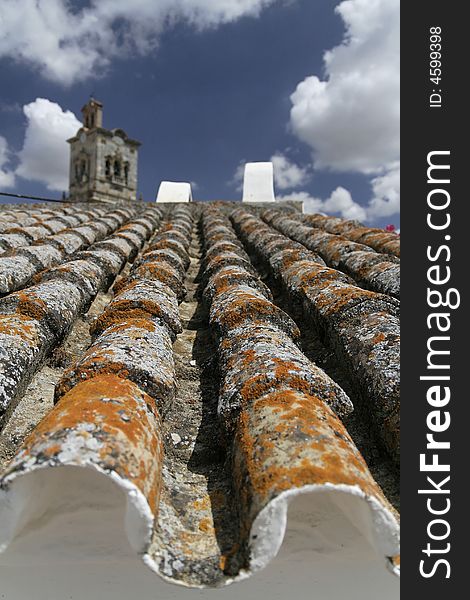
[207, 86]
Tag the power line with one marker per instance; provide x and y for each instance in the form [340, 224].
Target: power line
[33, 197]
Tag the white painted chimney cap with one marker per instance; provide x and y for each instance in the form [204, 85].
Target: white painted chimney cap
[258, 182]
[174, 191]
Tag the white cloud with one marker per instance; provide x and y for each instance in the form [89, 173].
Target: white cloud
[7, 177]
[45, 153]
[385, 199]
[351, 117]
[69, 46]
[339, 202]
[237, 179]
[288, 175]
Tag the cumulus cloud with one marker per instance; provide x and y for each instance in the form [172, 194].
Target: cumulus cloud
[288, 175]
[350, 118]
[7, 177]
[69, 45]
[237, 179]
[386, 194]
[339, 202]
[385, 200]
[45, 153]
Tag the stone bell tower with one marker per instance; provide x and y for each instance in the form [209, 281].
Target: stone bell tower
[103, 162]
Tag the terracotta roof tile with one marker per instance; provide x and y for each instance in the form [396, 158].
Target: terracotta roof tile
[195, 394]
[378, 239]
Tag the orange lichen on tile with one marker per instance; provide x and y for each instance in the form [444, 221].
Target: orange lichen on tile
[206, 525]
[31, 306]
[267, 441]
[226, 557]
[331, 300]
[395, 561]
[156, 271]
[22, 326]
[245, 306]
[202, 503]
[117, 316]
[120, 428]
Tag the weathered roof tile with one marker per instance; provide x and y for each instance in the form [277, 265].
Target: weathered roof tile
[209, 440]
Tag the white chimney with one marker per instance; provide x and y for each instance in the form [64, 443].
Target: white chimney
[258, 182]
[174, 191]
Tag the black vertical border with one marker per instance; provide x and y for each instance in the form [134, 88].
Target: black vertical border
[424, 129]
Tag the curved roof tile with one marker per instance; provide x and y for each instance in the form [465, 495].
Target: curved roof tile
[207, 506]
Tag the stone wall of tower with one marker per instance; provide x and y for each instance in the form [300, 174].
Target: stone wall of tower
[103, 166]
[82, 167]
[109, 184]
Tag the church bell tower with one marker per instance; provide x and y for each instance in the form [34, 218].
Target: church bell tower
[103, 162]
